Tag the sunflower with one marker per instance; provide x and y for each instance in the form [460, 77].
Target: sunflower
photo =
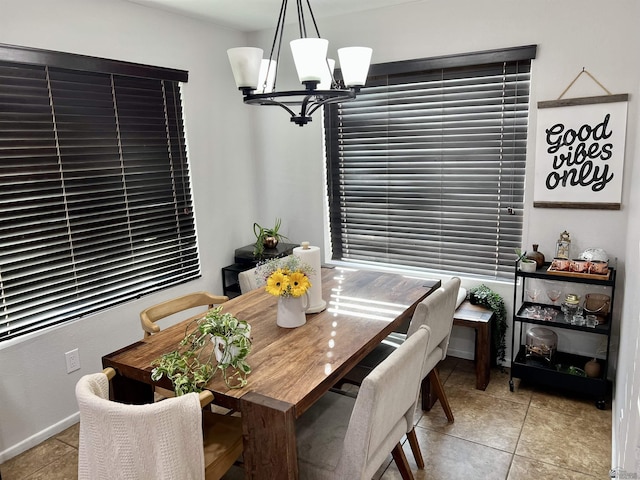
[277, 283]
[285, 277]
[298, 283]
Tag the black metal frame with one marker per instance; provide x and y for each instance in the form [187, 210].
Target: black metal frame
[525, 369]
[309, 99]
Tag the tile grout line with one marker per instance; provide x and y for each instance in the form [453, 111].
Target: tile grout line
[515, 449]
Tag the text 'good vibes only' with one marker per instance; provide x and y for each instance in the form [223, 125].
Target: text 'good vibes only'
[580, 156]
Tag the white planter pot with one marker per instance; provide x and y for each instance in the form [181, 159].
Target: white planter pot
[528, 266]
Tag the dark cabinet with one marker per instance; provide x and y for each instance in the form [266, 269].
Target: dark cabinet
[244, 260]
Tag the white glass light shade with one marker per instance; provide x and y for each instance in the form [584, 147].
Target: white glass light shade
[310, 57]
[354, 64]
[245, 65]
[327, 75]
[267, 76]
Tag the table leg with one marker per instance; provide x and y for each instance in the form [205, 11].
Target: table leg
[483, 356]
[269, 437]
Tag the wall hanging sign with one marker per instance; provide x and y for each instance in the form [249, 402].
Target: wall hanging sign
[580, 152]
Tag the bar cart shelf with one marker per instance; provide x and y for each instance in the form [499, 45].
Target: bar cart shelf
[560, 371]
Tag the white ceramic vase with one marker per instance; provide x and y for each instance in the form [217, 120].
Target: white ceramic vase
[291, 311]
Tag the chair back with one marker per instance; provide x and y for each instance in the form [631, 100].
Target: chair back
[436, 311]
[149, 316]
[161, 440]
[379, 417]
[248, 280]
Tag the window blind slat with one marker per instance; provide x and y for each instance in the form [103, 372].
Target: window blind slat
[426, 167]
[95, 200]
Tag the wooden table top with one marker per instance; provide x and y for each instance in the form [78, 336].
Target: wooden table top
[298, 365]
[472, 313]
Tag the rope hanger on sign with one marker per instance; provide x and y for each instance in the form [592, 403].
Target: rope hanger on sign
[578, 76]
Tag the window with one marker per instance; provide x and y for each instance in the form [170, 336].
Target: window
[95, 201]
[426, 166]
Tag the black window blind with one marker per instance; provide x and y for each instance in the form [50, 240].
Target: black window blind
[426, 166]
[95, 199]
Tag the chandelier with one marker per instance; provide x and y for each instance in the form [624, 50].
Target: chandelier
[256, 77]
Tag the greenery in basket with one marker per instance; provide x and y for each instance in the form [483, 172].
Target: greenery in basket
[266, 237]
[483, 295]
[217, 341]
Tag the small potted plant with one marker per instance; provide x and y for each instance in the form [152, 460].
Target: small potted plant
[266, 237]
[217, 341]
[525, 264]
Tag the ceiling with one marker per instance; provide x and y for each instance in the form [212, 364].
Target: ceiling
[250, 15]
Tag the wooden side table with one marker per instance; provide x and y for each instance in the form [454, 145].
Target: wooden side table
[479, 318]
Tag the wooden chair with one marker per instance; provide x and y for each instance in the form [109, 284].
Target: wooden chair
[344, 438]
[149, 316]
[436, 311]
[171, 439]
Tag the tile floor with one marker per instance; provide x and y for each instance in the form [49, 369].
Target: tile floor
[497, 434]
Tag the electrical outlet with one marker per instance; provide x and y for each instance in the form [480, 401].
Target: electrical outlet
[73, 360]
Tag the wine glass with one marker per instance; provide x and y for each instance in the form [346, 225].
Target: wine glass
[533, 294]
[553, 295]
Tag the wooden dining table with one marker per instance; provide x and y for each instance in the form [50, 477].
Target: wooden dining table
[291, 368]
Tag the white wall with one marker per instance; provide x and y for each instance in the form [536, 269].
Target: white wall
[627, 413]
[287, 160]
[36, 394]
[567, 41]
[570, 35]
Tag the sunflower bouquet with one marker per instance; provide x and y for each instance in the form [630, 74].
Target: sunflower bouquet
[285, 277]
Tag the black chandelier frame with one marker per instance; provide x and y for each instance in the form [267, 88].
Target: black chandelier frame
[309, 99]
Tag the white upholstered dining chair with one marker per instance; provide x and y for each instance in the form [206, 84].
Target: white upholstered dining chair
[168, 440]
[342, 438]
[248, 280]
[436, 311]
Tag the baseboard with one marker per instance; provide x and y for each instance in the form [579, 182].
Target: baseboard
[39, 437]
[614, 430]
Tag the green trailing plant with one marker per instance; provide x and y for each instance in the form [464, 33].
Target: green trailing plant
[217, 341]
[266, 237]
[483, 295]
